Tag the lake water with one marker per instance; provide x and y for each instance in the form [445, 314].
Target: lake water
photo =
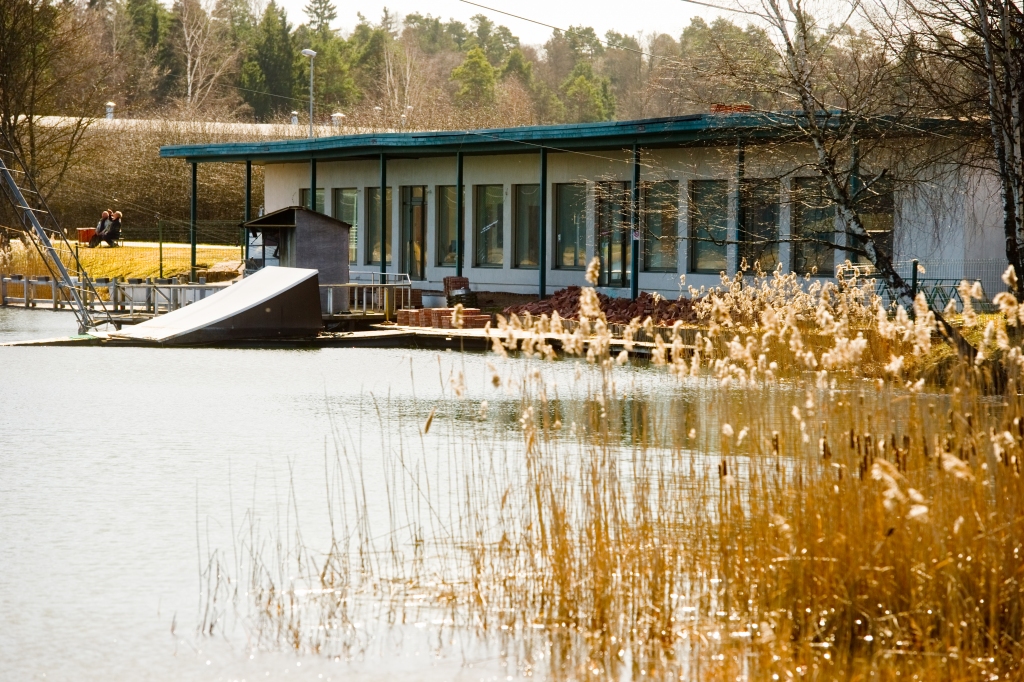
[121, 469]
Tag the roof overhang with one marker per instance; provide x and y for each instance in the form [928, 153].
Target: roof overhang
[682, 131]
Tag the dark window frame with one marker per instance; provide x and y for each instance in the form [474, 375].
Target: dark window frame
[480, 191]
[580, 249]
[373, 225]
[646, 189]
[693, 227]
[517, 257]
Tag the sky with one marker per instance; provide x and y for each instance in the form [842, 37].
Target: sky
[630, 17]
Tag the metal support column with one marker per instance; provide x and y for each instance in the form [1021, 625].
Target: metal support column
[192, 222]
[542, 265]
[248, 191]
[383, 211]
[248, 207]
[460, 209]
[312, 185]
[634, 224]
[735, 235]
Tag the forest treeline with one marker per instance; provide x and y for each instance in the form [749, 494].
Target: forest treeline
[233, 60]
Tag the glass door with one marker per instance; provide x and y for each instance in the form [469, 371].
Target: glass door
[414, 231]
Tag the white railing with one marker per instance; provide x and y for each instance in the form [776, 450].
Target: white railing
[116, 297]
[363, 298]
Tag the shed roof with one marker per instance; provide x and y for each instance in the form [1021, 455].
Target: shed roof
[288, 217]
[693, 130]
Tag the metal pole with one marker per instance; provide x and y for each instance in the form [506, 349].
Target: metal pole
[542, 265]
[460, 208]
[311, 60]
[312, 184]
[913, 278]
[248, 191]
[383, 218]
[248, 205]
[192, 223]
[634, 224]
[160, 237]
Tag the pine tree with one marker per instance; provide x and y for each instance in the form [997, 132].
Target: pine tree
[268, 74]
[475, 77]
[321, 13]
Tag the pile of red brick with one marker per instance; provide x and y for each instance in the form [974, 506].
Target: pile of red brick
[616, 310]
[441, 318]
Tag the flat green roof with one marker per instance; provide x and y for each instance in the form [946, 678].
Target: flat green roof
[693, 130]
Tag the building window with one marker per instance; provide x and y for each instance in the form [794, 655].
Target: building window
[447, 226]
[373, 241]
[709, 225]
[570, 226]
[345, 204]
[304, 198]
[876, 206]
[661, 217]
[611, 222]
[812, 226]
[414, 231]
[527, 226]
[759, 225]
[489, 226]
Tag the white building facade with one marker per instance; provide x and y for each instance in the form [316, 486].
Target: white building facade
[711, 196]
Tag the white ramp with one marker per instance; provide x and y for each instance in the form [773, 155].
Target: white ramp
[273, 303]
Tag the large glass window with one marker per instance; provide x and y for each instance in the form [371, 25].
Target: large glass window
[373, 241]
[414, 231]
[489, 225]
[709, 225]
[447, 226]
[570, 226]
[877, 208]
[812, 226]
[660, 220]
[527, 226]
[759, 224]
[304, 198]
[613, 234]
[345, 204]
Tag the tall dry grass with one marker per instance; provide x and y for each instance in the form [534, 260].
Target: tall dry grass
[779, 515]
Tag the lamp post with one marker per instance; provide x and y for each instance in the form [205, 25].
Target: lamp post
[312, 57]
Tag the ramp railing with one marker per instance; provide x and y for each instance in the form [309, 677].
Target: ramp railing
[364, 298]
[112, 297]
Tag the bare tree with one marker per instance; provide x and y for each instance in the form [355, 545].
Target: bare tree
[844, 94]
[51, 82]
[970, 56]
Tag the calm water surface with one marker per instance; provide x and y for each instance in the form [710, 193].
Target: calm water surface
[121, 467]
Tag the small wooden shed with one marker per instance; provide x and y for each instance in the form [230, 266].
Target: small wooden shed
[296, 237]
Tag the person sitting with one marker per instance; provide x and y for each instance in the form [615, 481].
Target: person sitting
[109, 230]
[113, 232]
[101, 228]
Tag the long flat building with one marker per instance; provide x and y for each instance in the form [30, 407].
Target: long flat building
[653, 199]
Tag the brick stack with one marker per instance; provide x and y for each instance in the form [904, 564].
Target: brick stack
[454, 284]
[441, 318]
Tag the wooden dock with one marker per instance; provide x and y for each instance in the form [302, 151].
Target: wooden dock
[378, 336]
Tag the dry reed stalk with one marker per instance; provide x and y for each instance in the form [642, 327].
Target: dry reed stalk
[779, 515]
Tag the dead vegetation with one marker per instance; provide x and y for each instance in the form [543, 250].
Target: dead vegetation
[778, 516]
